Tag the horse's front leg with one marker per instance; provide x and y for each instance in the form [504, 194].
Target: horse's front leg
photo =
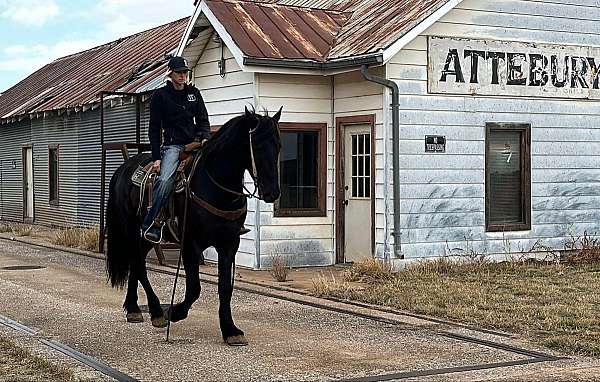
[192, 253]
[232, 335]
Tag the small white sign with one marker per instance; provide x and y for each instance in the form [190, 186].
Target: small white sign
[460, 66]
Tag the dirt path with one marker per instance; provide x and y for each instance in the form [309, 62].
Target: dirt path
[68, 300]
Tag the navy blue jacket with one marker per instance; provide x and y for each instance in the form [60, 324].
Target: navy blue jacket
[180, 114]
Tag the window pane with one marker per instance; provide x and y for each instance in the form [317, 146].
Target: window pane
[299, 170]
[53, 174]
[504, 167]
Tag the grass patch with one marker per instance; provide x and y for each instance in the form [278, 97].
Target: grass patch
[17, 364]
[83, 238]
[554, 304]
[16, 229]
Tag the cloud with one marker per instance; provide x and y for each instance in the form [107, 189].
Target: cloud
[29, 12]
[125, 17]
[27, 59]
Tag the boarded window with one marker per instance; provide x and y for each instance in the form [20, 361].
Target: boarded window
[302, 170]
[508, 182]
[53, 174]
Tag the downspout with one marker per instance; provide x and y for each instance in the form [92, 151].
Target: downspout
[395, 151]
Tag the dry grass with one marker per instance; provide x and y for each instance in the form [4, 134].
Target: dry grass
[557, 305]
[17, 364]
[5, 228]
[279, 268]
[17, 229]
[83, 238]
[370, 270]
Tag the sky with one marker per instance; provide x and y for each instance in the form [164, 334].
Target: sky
[36, 32]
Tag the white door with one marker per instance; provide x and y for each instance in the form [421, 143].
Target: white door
[357, 174]
[28, 182]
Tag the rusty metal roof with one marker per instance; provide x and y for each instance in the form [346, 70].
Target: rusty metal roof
[319, 30]
[73, 81]
[278, 32]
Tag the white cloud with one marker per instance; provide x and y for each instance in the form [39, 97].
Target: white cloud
[27, 59]
[29, 12]
[125, 17]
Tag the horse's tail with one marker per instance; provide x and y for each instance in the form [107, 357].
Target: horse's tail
[119, 248]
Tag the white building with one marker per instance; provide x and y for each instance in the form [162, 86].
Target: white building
[498, 132]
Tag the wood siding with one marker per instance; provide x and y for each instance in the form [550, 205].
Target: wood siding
[225, 98]
[302, 240]
[443, 205]
[355, 96]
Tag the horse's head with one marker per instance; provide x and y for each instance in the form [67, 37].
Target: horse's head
[265, 146]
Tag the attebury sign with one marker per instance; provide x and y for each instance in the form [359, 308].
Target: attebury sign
[459, 66]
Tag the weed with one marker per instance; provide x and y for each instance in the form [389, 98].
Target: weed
[279, 268]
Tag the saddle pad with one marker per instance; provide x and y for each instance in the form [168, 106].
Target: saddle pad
[138, 176]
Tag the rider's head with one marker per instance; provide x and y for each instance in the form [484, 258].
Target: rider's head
[178, 71]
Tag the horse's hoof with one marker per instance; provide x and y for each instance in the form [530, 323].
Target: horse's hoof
[160, 322]
[135, 318]
[236, 340]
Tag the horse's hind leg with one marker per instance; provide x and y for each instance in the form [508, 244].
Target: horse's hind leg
[132, 310]
[156, 312]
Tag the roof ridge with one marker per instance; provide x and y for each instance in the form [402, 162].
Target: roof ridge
[264, 3]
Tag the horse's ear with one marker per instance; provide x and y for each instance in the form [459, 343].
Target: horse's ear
[248, 113]
[277, 116]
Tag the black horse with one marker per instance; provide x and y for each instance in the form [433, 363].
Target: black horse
[216, 212]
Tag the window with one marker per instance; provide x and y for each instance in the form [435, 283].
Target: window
[302, 168]
[53, 174]
[361, 166]
[508, 177]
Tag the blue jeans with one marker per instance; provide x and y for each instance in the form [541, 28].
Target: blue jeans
[163, 186]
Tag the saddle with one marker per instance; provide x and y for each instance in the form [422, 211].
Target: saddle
[144, 177]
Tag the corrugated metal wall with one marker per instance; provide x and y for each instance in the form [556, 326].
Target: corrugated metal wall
[119, 126]
[12, 137]
[61, 131]
[78, 139]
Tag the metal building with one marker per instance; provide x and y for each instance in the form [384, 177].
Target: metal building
[50, 136]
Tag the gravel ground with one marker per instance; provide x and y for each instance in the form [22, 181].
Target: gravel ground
[69, 301]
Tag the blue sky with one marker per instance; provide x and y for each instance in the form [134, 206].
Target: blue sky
[35, 32]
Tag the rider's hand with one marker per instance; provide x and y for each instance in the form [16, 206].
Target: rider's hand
[156, 166]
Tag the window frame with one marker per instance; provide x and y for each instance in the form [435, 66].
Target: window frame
[55, 201]
[321, 210]
[525, 130]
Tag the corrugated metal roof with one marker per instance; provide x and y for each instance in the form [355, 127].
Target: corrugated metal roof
[127, 64]
[275, 31]
[294, 29]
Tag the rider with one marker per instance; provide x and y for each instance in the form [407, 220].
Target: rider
[178, 111]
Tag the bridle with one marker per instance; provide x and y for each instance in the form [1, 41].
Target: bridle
[253, 173]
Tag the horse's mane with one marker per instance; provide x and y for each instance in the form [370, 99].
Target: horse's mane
[222, 137]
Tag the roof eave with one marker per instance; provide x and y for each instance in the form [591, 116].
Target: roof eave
[395, 48]
[345, 63]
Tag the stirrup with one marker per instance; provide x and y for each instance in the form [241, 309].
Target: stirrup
[145, 234]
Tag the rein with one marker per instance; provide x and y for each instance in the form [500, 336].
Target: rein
[254, 173]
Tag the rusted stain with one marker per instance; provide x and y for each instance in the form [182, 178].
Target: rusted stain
[347, 27]
[77, 80]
